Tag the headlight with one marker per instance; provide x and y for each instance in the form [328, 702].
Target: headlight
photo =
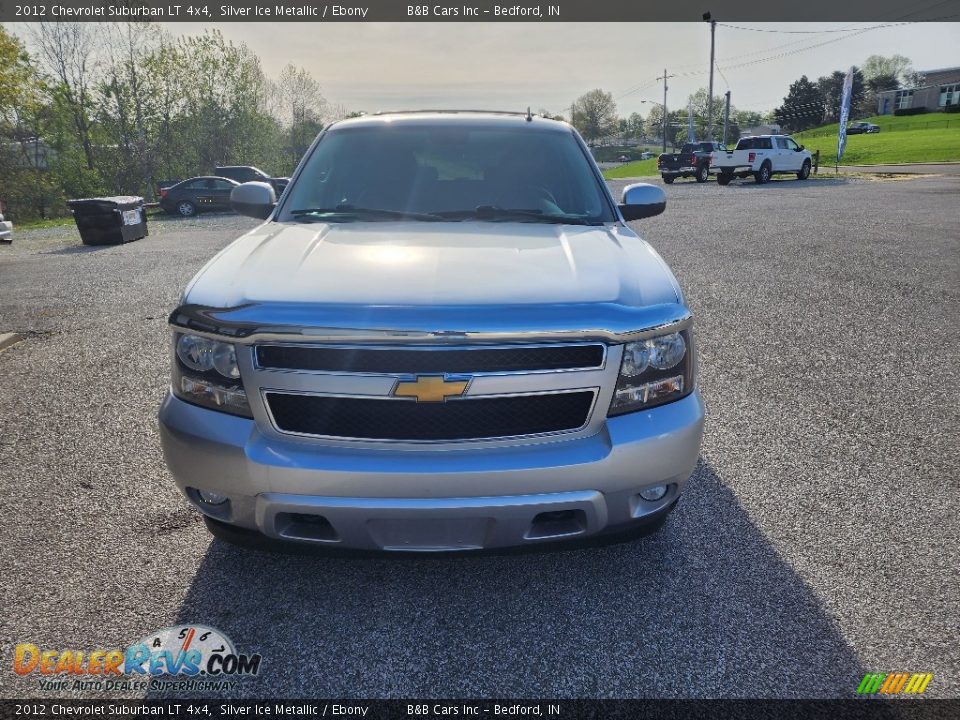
[206, 373]
[225, 360]
[654, 371]
[196, 352]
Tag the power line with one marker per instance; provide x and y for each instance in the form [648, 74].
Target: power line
[924, 9]
[793, 32]
[758, 61]
[638, 88]
[779, 56]
[725, 81]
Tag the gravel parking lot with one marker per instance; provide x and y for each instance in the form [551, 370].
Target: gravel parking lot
[817, 541]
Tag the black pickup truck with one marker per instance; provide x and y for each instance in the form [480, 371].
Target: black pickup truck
[693, 160]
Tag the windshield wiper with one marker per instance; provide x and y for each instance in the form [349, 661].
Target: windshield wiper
[351, 212]
[494, 212]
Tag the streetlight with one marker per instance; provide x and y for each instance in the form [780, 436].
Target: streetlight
[713, 32]
[663, 121]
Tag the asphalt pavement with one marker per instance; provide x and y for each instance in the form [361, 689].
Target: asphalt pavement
[944, 168]
[817, 541]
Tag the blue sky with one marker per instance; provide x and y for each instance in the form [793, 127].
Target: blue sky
[383, 66]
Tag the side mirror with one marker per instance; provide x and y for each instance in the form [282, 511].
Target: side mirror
[642, 200]
[800, 148]
[256, 199]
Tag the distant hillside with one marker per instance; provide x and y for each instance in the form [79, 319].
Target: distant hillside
[891, 123]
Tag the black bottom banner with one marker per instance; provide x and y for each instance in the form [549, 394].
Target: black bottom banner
[194, 709]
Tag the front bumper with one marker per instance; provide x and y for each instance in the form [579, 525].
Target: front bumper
[431, 500]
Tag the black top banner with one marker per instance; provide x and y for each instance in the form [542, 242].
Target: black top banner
[886, 11]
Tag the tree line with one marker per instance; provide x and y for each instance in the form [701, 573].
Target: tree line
[810, 103]
[807, 104]
[595, 116]
[113, 109]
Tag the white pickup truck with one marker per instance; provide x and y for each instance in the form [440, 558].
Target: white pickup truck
[762, 156]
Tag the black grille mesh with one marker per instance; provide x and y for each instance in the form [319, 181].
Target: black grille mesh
[462, 419]
[430, 360]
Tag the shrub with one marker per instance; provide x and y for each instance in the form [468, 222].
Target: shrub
[910, 111]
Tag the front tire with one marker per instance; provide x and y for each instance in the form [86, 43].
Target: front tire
[804, 171]
[185, 208]
[668, 179]
[703, 174]
[724, 178]
[762, 176]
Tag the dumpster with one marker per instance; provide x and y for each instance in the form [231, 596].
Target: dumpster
[109, 220]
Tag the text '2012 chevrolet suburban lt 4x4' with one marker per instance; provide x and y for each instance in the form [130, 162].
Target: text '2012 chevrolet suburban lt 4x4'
[444, 337]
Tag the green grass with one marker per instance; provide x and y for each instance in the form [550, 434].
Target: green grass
[931, 137]
[640, 168]
[907, 146]
[892, 123]
[48, 223]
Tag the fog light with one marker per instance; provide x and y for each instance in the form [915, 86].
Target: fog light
[211, 498]
[652, 494]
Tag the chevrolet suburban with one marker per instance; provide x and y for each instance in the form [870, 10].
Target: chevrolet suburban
[445, 336]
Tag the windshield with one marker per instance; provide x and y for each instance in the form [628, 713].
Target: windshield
[448, 173]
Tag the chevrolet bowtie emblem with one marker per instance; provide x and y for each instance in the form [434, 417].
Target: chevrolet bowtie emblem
[430, 388]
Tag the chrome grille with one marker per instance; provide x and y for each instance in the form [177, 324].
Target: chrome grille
[512, 392]
[461, 419]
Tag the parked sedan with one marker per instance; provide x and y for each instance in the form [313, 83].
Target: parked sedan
[248, 173]
[858, 128]
[197, 194]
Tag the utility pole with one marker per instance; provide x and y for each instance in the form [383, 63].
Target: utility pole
[726, 119]
[713, 32]
[663, 122]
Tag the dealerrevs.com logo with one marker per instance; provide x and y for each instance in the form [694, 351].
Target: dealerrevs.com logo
[183, 657]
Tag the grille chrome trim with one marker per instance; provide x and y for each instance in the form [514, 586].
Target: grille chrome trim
[429, 348]
[595, 391]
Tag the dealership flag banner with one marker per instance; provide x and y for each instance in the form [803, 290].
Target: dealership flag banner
[844, 114]
[691, 135]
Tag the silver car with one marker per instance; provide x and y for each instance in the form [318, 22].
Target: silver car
[445, 336]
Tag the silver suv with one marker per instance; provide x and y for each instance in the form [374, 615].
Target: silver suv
[443, 337]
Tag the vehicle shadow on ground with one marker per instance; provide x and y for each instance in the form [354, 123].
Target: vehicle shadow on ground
[789, 180]
[176, 217]
[79, 249]
[704, 608]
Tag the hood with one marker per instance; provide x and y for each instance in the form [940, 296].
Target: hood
[415, 263]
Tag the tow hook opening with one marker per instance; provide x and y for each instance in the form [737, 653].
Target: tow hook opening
[304, 526]
[557, 523]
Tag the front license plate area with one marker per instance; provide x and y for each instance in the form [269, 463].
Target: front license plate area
[430, 535]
